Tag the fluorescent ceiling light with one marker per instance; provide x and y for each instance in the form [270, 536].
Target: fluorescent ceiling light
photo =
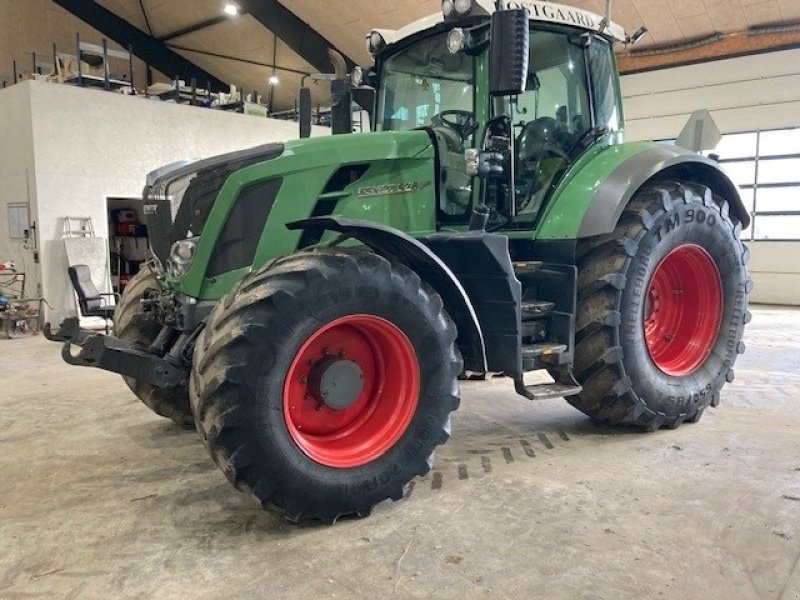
[273, 80]
[231, 10]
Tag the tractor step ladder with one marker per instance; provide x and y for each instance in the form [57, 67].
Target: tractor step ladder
[543, 349]
[527, 269]
[534, 331]
[538, 356]
[545, 391]
[536, 309]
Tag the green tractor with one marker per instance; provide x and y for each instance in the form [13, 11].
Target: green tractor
[311, 306]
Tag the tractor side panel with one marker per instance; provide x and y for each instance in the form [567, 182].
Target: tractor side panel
[400, 193]
[482, 264]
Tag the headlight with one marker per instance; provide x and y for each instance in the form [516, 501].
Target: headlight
[462, 7]
[181, 256]
[472, 160]
[456, 40]
[183, 251]
[375, 42]
[357, 78]
[447, 8]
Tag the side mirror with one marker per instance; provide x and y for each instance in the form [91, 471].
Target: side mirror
[509, 52]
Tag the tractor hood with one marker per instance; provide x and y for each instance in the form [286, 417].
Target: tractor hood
[179, 197]
[344, 149]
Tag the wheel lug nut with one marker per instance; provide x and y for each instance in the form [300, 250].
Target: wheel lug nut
[342, 352]
[303, 379]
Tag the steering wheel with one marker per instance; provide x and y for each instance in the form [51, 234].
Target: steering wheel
[547, 140]
[460, 121]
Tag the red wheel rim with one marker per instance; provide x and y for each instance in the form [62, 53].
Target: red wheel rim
[384, 406]
[683, 310]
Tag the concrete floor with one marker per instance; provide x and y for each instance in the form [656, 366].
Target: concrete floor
[101, 499]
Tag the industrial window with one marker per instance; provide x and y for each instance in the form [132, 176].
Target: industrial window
[18, 221]
[766, 167]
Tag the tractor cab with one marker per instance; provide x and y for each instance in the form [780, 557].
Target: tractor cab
[512, 98]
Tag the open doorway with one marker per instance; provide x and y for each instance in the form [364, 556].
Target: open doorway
[127, 239]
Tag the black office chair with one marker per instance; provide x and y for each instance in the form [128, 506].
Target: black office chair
[92, 303]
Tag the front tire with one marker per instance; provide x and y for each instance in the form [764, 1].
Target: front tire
[322, 383]
[662, 305]
[133, 325]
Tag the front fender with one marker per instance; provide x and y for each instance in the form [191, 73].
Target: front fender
[591, 202]
[394, 244]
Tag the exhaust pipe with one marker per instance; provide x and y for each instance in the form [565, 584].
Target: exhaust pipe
[341, 98]
[304, 115]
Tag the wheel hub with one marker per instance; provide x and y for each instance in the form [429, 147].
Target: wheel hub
[683, 310]
[351, 391]
[337, 383]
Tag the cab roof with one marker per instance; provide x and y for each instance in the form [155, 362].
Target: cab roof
[547, 12]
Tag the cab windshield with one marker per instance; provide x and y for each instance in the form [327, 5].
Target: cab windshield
[424, 81]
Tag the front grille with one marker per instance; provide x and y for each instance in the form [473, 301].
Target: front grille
[179, 201]
[238, 241]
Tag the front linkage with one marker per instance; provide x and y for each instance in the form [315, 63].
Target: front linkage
[119, 356]
[165, 363]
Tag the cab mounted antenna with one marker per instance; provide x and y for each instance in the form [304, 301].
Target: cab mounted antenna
[606, 21]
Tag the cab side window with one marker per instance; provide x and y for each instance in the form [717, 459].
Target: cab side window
[604, 86]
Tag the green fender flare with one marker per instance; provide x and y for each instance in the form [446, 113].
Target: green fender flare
[590, 203]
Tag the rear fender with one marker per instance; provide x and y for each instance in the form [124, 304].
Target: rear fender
[396, 245]
[660, 162]
[598, 187]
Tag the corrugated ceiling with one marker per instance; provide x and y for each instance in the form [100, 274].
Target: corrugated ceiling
[345, 22]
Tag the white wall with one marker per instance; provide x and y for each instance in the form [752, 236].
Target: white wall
[743, 94]
[17, 177]
[775, 268]
[90, 145]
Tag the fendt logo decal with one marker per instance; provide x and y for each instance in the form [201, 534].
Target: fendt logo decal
[392, 189]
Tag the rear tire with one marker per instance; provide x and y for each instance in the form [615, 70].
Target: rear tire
[662, 305]
[264, 420]
[133, 325]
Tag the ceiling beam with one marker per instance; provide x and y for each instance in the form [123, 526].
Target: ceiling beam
[295, 33]
[728, 46]
[196, 27]
[237, 59]
[146, 18]
[152, 51]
